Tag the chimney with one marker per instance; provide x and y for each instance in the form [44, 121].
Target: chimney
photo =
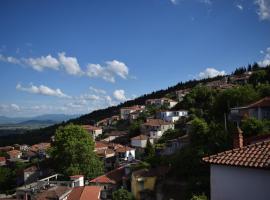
[238, 140]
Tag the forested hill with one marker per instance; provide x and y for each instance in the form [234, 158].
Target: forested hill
[44, 134]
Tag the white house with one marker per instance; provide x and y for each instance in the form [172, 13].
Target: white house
[242, 173]
[125, 153]
[125, 112]
[173, 116]
[93, 130]
[156, 127]
[140, 141]
[160, 102]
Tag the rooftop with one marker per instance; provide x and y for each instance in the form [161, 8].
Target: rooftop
[140, 137]
[85, 193]
[255, 156]
[156, 122]
[91, 128]
[113, 177]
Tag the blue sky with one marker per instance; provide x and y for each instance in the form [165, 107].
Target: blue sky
[77, 56]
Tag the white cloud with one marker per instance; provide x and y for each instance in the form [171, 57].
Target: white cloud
[42, 62]
[266, 59]
[70, 64]
[96, 70]
[174, 2]
[42, 89]
[264, 9]
[96, 90]
[119, 95]
[9, 59]
[108, 72]
[210, 73]
[208, 2]
[15, 107]
[118, 68]
[239, 6]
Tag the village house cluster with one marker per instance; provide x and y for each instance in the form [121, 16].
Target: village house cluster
[244, 166]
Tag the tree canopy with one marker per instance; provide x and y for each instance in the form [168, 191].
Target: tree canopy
[73, 152]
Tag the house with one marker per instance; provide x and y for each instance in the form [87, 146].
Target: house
[172, 116]
[242, 173]
[2, 161]
[99, 145]
[180, 94]
[29, 155]
[259, 110]
[113, 135]
[156, 127]
[85, 192]
[93, 130]
[172, 146]
[144, 181]
[108, 157]
[14, 154]
[31, 174]
[22, 147]
[110, 182]
[6, 148]
[161, 102]
[126, 111]
[108, 121]
[41, 149]
[125, 153]
[140, 141]
[54, 187]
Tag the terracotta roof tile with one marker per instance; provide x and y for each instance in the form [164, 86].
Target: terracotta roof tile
[140, 137]
[85, 193]
[113, 177]
[91, 128]
[156, 122]
[255, 155]
[265, 102]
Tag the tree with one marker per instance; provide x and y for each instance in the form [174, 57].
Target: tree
[73, 152]
[199, 197]
[259, 76]
[252, 126]
[6, 179]
[122, 194]
[149, 150]
[199, 131]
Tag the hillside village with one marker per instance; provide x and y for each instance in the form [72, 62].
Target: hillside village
[208, 140]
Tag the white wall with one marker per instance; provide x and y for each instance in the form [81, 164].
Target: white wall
[138, 143]
[235, 183]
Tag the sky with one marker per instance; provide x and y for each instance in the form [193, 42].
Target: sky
[74, 57]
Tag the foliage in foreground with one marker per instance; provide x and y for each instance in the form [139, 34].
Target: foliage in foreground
[73, 152]
[122, 194]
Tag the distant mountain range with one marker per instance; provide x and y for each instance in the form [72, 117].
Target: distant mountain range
[41, 119]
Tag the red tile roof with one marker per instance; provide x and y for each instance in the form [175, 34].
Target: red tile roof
[91, 128]
[136, 107]
[113, 177]
[140, 137]
[124, 149]
[156, 122]
[265, 102]
[53, 193]
[76, 176]
[13, 153]
[85, 193]
[100, 145]
[31, 169]
[255, 155]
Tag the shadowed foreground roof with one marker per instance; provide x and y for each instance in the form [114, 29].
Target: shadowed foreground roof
[255, 155]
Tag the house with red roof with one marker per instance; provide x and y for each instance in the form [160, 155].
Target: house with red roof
[130, 113]
[94, 131]
[85, 193]
[110, 182]
[14, 154]
[140, 141]
[259, 110]
[156, 127]
[242, 173]
[161, 102]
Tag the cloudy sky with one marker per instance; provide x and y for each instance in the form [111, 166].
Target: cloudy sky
[77, 56]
